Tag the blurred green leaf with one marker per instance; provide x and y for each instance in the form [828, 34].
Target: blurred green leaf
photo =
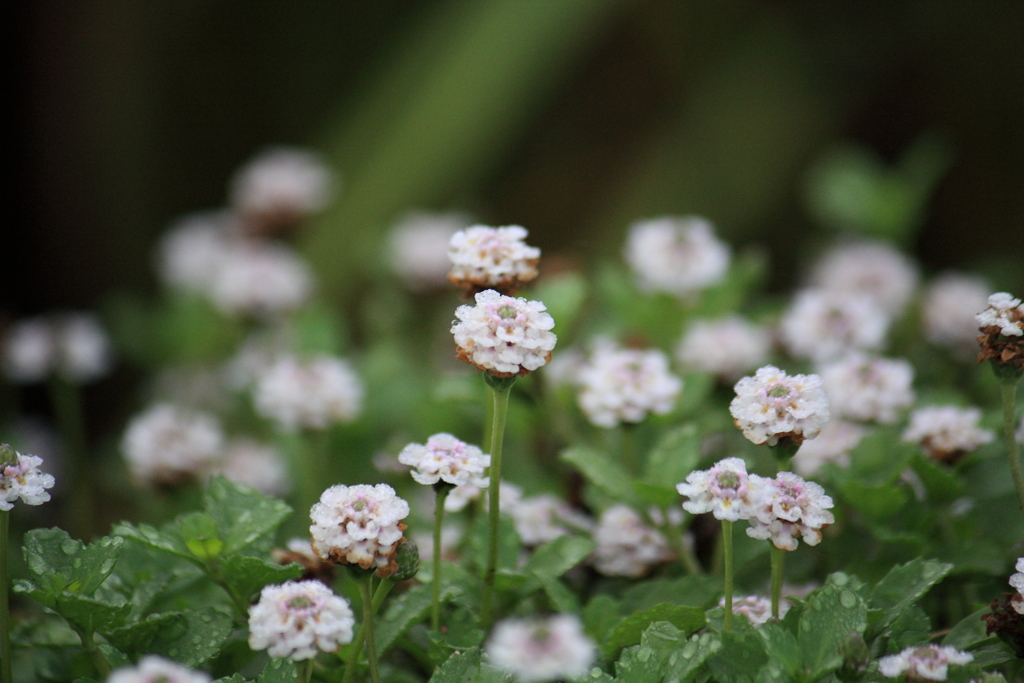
[563, 295]
[199, 532]
[740, 657]
[278, 670]
[782, 647]
[602, 472]
[245, 576]
[673, 457]
[195, 637]
[628, 631]
[509, 545]
[558, 556]
[830, 616]
[905, 584]
[600, 616]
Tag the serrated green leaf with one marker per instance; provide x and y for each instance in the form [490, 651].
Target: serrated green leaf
[404, 611]
[943, 485]
[969, 631]
[247, 575]
[629, 630]
[674, 456]
[242, 514]
[115, 658]
[134, 639]
[600, 616]
[278, 670]
[638, 664]
[691, 657]
[910, 627]
[693, 591]
[603, 472]
[82, 612]
[904, 585]
[739, 659]
[59, 563]
[558, 556]
[782, 647]
[459, 668]
[156, 539]
[194, 638]
[830, 616]
[199, 533]
[562, 599]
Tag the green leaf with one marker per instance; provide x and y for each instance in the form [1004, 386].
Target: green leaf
[199, 532]
[693, 591]
[156, 539]
[563, 295]
[910, 627]
[466, 667]
[969, 631]
[58, 563]
[509, 545]
[247, 575]
[905, 584]
[195, 637]
[134, 639]
[242, 514]
[675, 455]
[562, 599]
[943, 485]
[558, 556]
[782, 647]
[404, 611]
[829, 617]
[234, 678]
[739, 659]
[82, 612]
[638, 664]
[653, 494]
[607, 475]
[278, 670]
[629, 630]
[879, 503]
[692, 656]
[600, 616]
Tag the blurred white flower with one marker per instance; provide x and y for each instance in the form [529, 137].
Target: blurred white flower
[946, 432]
[623, 385]
[418, 247]
[492, 258]
[154, 669]
[261, 279]
[789, 508]
[541, 518]
[445, 458]
[504, 336]
[542, 649]
[725, 490]
[948, 309]
[834, 443]
[676, 255]
[299, 619]
[772, 405]
[755, 608]
[923, 662]
[72, 345]
[310, 394]
[872, 268]
[192, 251]
[281, 185]
[823, 325]
[626, 544]
[22, 479]
[28, 350]
[360, 525]
[166, 444]
[247, 461]
[727, 347]
[866, 388]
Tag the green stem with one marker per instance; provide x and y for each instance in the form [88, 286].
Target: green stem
[95, 655]
[67, 407]
[677, 542]
[357, 645]
[727, 546]
[627, 447]
[305, 670]
[435, 610]
[1009, 391]
[5, 608]
[499, 397]
[371, 649]
[778, 563]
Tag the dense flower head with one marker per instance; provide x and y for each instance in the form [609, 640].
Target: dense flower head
[418, 247]
[491, 258]
[789, 508]
[298, 619]
[823, 324]
[1017, 582]
[870, 389]
[541, 649]
[623, 385]
[676, 255]
[445, 458]
[1002, 331]
[167, 444]
[280, 186]
[727, 347]
[154, 669]
[833, 444]
[72, 345]
[923, 662]
[946, 432]
[504, 336]
[247, 461]
[309, 394]
[626, 544]
[756, 609]
[772, 405]
[725, 490]
[947, 312]
[22, 479]
[259, 278]
[359, 524]
[871, 268]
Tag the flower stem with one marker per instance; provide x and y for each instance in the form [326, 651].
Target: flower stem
[677, 542]
[727, 546]
[778, 563]
[357, 645]
[305, 670]
[67, 407]
[5, 608]
[371, 650]
[98, 661]
[499, 397]
[1009, 391]
[435, 610]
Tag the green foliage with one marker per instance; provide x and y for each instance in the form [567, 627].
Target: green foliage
[601, 471]
[629, 630]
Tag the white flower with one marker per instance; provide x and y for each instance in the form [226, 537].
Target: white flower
[772, 405]
[833, 444]
[871, 268]
[946, 432]
[542, 649]
[254, 464]
[1017, 582]
[626, 544]
[22, 479]
[166, 444]
[154, 669]
[623, 385]
[822, 325]
[789, 508]
[756, 609]
[727, 347]
[542, 518]
[447, 459]
[261, 279]
[564, 369]
[310, 394]
[923, 662]
[1005, 313]
[28, 350]
[948, 310]
[419, 247]
[282, 184]
[73, 345]
[461, 496]
[190, 254]
[503, 335]
[492, 258]
[259, 350]
[725, 490]
[451, 536]
[298, 619]
[359, 524]
[867, 388]
[676, 255]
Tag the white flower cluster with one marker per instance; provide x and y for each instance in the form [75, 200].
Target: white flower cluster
[166, 444]
[359, 524]
[541, 518]
[623, 385]
[189, 254]
[247, 461]
[72, 345]
[504, 336]
[1017, 583]
[948, 309]
[823, 324]
[282, 183]
[946, 432]
[445, 458]
[727, 347]
[298, 619]
[310, 394]
[418, 248]
[866, 388]
[676, 255]
[22, 480]
[492, 258]
[872, 268]
[1004, 312]
[833, 444]
[535, 650]
[726, 491]
[154, 669]
[755, 608]
[789, 507]
[626, 544]
[923, 662]
[772, 405]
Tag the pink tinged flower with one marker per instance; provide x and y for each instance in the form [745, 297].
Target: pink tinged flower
[870, 389]
[418, 248]
[360, 525]
[282, 184]
[874, 269]
[626, 544]
[923, 662]
[725, 490]
[542, 649]
[789, 509]
[946, 433]
[445, 458]
[492, 258]
[167, 444]
[727, 347]
[772, 405]
[309, 393]
[504, 336]
[23, 480]
[755, 608]
[154, 669]
[834, 443]
[822, 325]
[623, 385]
[262, 279]
[299, 619]
[949, 307]
[676, 255]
